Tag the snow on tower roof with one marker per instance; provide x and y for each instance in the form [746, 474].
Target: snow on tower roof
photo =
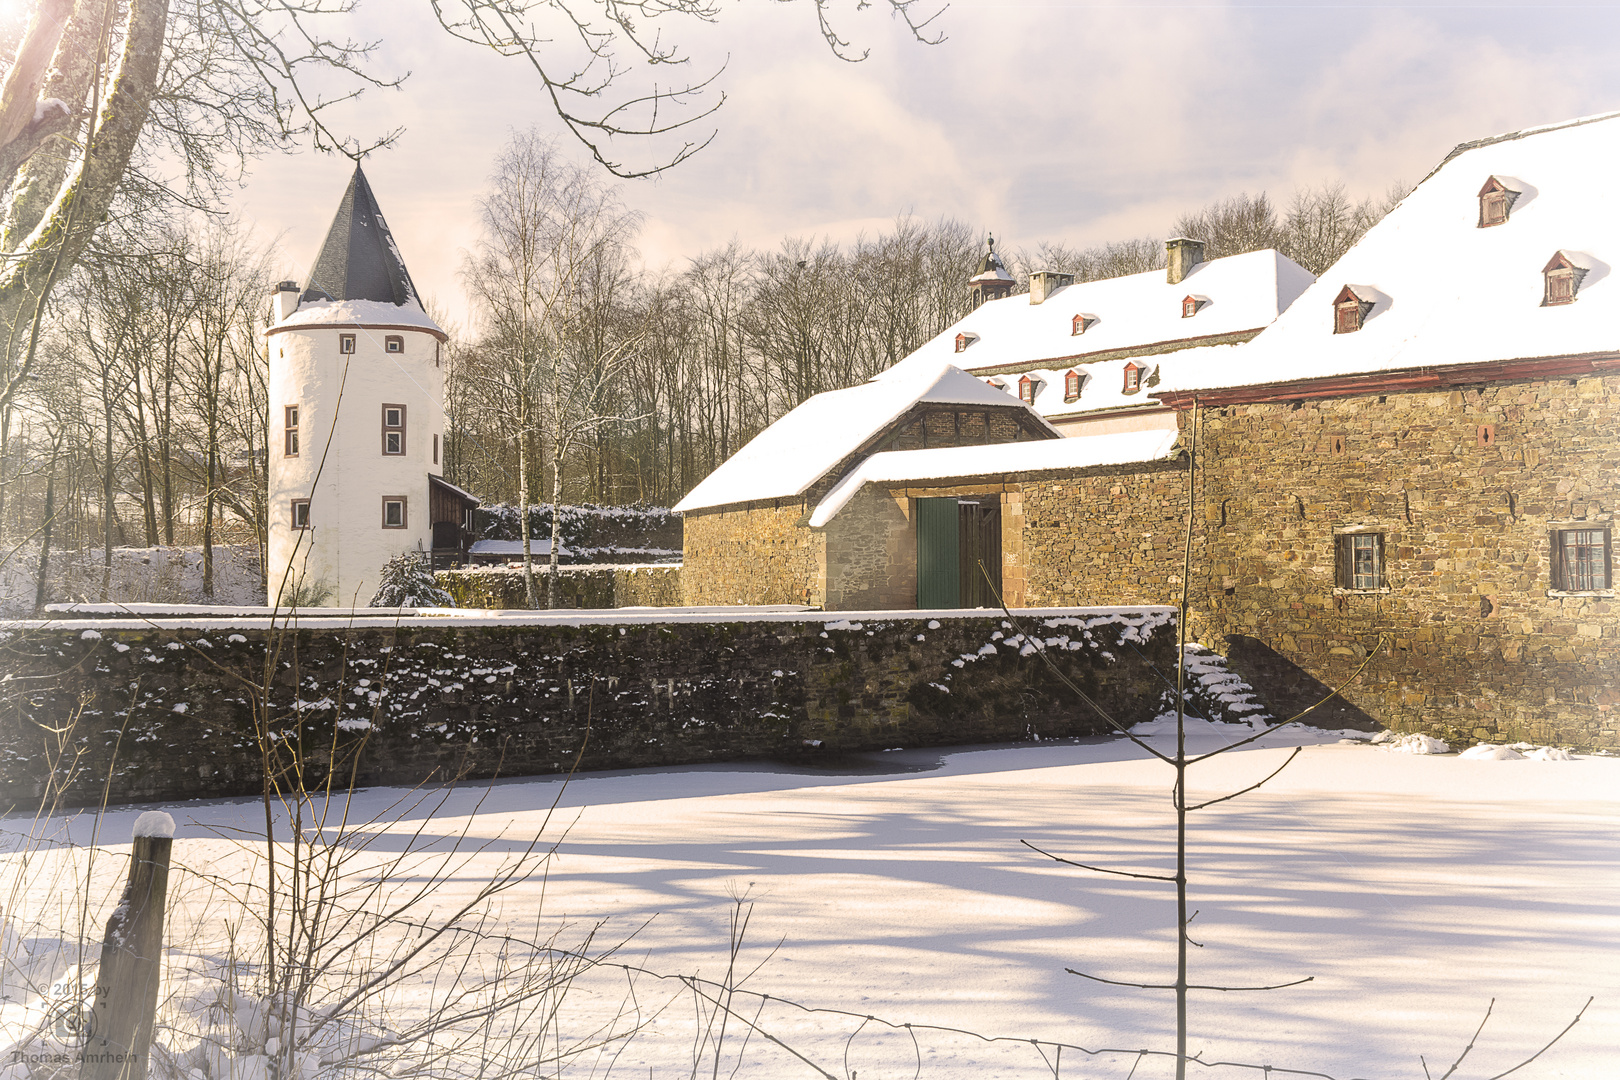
[359, 260]
[1449, 289]
[802, 447]
[1245, 292]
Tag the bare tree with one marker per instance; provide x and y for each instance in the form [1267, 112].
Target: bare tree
[552, 251]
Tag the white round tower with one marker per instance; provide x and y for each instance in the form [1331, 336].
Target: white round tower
[356, 419]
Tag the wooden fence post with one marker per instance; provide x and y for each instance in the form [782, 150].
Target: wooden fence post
[119, 1039]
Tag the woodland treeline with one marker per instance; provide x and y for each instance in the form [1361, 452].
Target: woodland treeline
[144, 418]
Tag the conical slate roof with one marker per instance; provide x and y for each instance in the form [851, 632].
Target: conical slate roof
[359, 260]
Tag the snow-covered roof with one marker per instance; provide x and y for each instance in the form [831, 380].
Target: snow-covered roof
[461, 493]
[359, 313]
[1448, 291]
[802, 447]
[1018, 457]
[1245, 292]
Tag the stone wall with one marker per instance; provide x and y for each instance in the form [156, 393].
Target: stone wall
[591, 586]
[755, 553]
[166, 713]
[1477, 646]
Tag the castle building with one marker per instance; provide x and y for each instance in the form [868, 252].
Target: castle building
[356, 394]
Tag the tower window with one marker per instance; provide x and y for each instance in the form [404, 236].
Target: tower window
[393, 429]
[290, 447]
[1580, 560]
[346, 344]
[394, 343]
[300, 513]
[435, 449]
[393, 512]
[1071, 386]
[1360, 561]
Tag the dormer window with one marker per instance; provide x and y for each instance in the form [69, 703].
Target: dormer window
[1350, 310]
[1133, 377]
[1027, 386]
[1071, 386]
[1081, 322]
[1563, 274]
[1496, 201]
[1191, 305]
[963, 340]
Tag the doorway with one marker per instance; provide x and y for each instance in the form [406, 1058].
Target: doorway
[958, 552]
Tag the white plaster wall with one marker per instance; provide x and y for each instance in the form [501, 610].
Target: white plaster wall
[340, 399]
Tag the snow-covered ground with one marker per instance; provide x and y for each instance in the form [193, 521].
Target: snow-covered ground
[1414, 889]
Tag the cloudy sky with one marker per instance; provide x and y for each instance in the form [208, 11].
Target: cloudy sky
[1035, 119]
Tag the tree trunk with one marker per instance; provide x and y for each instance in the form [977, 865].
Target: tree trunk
[531, 595]
[556, 524]
[41, 589]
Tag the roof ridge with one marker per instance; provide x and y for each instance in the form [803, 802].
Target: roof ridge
[1523, 133]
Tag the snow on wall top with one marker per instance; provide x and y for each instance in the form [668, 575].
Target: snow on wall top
[1245, 292]
[1076, 453]
[359, 313]
[807, 443]
[1450, 292]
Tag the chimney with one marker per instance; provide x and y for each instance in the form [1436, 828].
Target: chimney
[1043, 283]
[284, 300]
[1181, 254]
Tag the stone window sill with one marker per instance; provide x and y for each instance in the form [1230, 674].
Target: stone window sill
[1559, 594]
[1361, 592]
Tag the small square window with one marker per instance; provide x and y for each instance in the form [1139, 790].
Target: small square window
[346, 344]
[394, 343]
[290, 443]
[393, 429]
[1581, 560]
[1560, 286]
[393, 512]
[300, 513]
[1360, 559]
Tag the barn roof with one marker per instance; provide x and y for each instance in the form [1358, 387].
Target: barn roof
[1448, 289]
[802, 447]
[1135, 312]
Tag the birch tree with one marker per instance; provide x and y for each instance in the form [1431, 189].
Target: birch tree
[552, 237]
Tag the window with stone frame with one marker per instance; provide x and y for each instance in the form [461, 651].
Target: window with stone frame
[1360, 561]
[300, 513]
[393, 430]
[346, 344]
[394, 343]
[394, 512]
[1581, 560]
[290, 431]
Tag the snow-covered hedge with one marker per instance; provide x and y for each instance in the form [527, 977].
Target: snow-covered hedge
[591, 533]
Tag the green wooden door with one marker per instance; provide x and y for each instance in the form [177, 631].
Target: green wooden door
[938, 559]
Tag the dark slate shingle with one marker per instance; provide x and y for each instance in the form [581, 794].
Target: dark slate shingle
[359, 260]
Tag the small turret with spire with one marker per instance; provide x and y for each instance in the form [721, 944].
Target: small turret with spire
[991, 281]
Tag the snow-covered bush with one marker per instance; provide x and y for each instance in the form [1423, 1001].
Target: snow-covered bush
[408, 583]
